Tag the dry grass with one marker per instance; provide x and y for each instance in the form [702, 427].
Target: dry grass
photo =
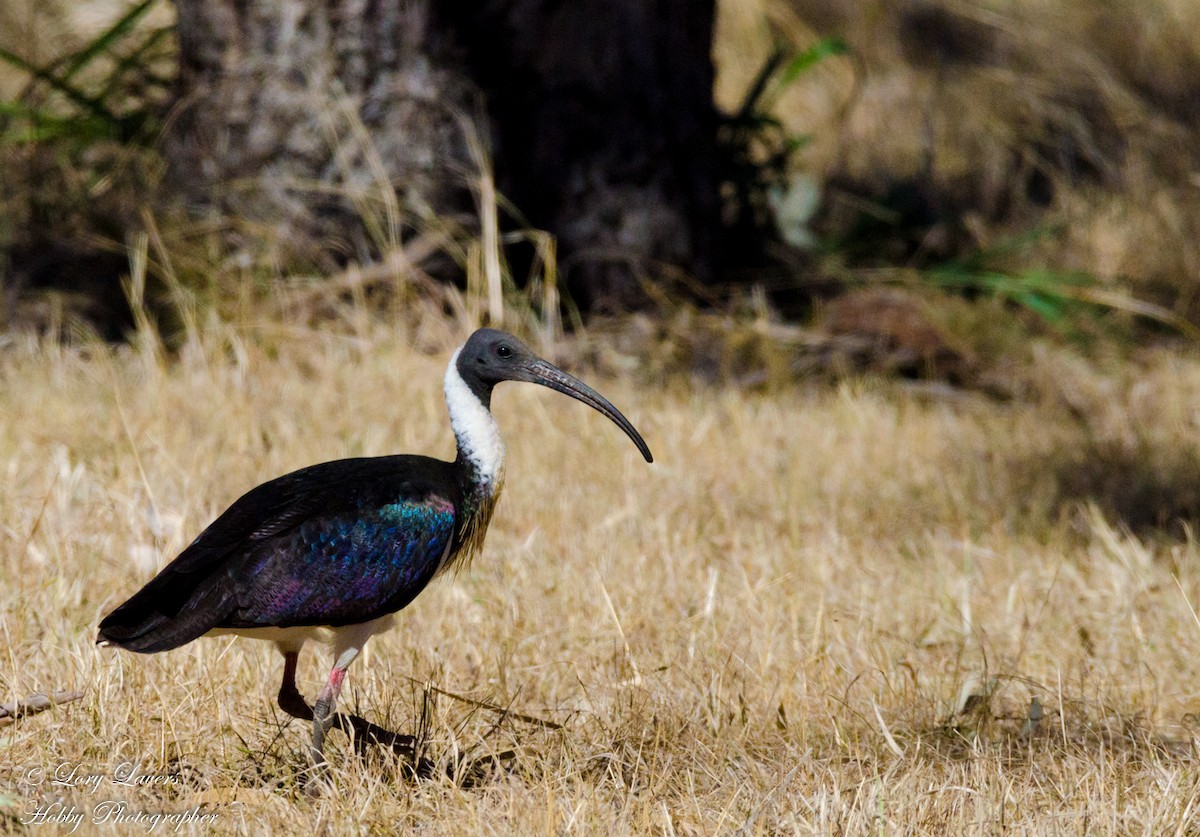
[824, 608]
[979, 120]
[771, 629]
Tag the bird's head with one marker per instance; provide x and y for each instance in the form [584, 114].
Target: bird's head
[491, 356]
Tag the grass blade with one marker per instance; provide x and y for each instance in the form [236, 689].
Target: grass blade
[104, 43]
[88, 103]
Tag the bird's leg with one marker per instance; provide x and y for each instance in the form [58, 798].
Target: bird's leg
[323, 711]
[347, 646]
[363, 731]
[290, 699]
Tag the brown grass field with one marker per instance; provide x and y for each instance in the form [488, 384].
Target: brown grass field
[824, 609]
[834, 605]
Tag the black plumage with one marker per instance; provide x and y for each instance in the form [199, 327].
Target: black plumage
[332, 544]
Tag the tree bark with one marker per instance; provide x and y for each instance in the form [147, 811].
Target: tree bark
[307, 117]
[316, 121]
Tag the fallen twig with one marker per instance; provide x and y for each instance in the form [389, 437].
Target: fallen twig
[11, 712]
[491, 707]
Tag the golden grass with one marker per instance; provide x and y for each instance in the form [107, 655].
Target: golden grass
[773, 628]
[770, 629]
[968, 99]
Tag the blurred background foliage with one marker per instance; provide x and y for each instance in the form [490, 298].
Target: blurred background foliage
[916, 188]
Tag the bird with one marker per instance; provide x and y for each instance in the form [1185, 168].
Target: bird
[331, 552]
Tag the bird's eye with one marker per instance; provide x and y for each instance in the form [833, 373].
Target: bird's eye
[503, 351]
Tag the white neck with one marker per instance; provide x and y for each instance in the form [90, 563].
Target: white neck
[475, 429]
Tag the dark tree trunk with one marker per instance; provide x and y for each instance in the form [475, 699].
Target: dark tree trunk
[604, 130]
[295, 112]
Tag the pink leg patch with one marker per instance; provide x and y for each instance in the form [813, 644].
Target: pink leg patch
[333, 686]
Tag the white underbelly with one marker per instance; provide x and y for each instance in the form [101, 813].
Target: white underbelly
[347, 640]
[296, 635]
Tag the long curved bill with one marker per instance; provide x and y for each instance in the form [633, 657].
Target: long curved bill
[549, 375]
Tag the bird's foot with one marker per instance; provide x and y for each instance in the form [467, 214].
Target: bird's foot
[317, 783]
[361, 732]
[293, 703]
[365, 734]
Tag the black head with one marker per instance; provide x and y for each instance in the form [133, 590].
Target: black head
[490, 356]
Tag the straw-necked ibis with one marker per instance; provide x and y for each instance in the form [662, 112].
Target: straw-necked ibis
[332, 551]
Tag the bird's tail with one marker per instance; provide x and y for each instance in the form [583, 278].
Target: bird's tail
[155, 620]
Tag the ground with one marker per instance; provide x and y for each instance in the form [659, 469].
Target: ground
[825, 608]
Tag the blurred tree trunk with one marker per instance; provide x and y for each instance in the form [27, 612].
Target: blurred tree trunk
[307, 116]
[605, 131]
